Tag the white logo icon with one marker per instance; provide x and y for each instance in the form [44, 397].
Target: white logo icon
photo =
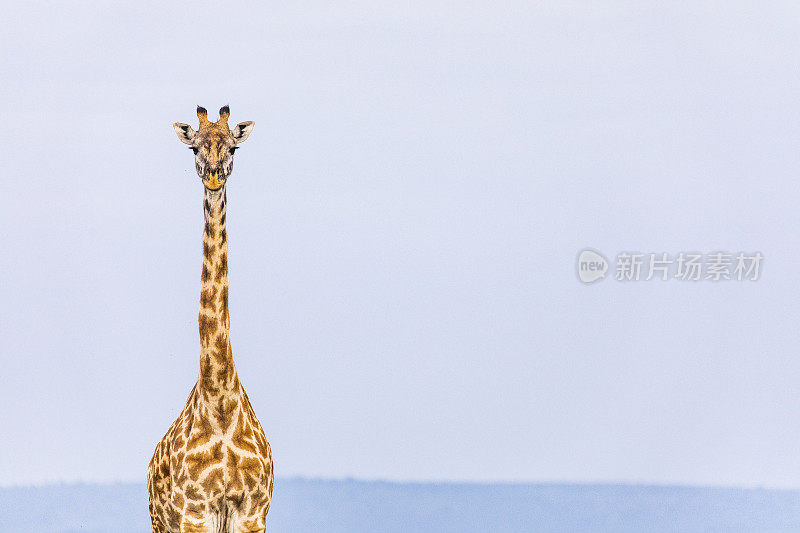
[591, 266]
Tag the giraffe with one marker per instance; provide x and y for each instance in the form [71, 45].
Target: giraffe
[212, 471]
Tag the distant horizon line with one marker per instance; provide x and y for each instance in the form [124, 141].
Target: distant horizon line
[442, 482]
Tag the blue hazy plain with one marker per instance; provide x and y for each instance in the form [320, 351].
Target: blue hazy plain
[403, 227]
[347, 506]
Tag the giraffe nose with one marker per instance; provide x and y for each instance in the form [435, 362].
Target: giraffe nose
[213, 179]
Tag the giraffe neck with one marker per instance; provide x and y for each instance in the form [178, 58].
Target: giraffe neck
[217, 374]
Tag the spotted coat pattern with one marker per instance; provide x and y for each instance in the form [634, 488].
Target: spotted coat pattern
[212, 471]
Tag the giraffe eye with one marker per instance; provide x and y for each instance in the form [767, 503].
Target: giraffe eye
[194, 149]
[233, 149]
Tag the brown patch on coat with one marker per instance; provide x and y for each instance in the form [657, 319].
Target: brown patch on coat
[221, 348]
[177, 500]
[240, 435]
[225, 409]
[222, 267]
[207, 325]
[224, 304]
[199, 461]
[174, 518]
[235, 483]
[261, 441]
[251, 469]
[208, 299]
[206, 377]
[201, 434]
[192, 493]
[213, 481]
[197, 509]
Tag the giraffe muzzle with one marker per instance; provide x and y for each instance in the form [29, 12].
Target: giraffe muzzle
[213, 181]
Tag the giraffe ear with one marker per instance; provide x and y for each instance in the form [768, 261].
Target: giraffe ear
[242, 130]
[184, 131]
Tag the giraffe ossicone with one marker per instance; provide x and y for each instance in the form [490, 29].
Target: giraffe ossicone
[212, 471]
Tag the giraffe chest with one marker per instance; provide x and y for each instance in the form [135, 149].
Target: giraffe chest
[221, 470]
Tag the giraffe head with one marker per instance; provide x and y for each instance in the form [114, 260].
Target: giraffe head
[213, 145]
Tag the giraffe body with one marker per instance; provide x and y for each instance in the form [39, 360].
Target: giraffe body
[212, 471]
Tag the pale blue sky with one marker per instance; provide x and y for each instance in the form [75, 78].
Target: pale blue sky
[403, 226]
